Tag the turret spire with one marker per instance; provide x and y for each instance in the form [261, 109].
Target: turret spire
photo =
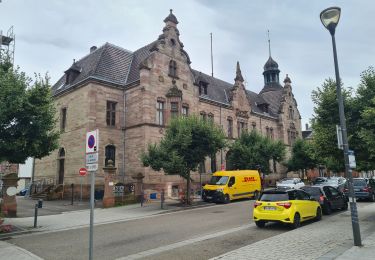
[238, 73]
[269, 43]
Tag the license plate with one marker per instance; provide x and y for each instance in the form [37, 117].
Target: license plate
[269, 208]
[209, 197]
[357, 189]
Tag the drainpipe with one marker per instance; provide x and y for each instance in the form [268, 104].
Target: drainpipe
[123, 131]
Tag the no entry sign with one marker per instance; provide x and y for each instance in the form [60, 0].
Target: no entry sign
[82, 171]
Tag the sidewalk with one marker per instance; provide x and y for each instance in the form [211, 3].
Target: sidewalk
[328, 239]
[81, 218]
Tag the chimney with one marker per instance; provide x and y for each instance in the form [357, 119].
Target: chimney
[307, 126]
[93, 48]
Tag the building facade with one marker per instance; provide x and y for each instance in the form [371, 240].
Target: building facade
[131, 96]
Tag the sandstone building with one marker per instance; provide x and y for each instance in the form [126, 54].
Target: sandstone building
[131, 96]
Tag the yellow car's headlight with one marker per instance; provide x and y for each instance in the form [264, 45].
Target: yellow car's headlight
[220, 190]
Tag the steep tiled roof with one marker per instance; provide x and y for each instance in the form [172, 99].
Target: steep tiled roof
[217, 90]
[273, 98]
[138, 56]
[116, 65]
[109, 63]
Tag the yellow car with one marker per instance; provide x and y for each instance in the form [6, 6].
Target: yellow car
[285, 206]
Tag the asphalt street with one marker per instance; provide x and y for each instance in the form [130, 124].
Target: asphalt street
[189, 234]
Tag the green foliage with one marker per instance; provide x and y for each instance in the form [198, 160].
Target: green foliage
[303, 156]
[26, 116]
[360, 120]
[187, 141]
[253, 150]
[326, 118]
[365, 99]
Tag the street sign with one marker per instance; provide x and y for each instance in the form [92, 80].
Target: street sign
[91, 158]
[92, 167]
[82, 171]
[92, 141]
[352, 163]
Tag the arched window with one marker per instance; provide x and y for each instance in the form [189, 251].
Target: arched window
[173, 69]
[110, 154]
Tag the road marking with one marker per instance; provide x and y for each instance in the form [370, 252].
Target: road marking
[168, 212]
[161, 249]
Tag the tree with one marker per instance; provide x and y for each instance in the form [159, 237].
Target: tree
[27, 116]
[326, 117]
[187, 141]
[303, 156]
[365, 127]
[253, 150]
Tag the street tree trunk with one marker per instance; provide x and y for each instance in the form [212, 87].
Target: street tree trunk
[188, 188]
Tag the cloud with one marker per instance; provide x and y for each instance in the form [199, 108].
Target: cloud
[49, 34]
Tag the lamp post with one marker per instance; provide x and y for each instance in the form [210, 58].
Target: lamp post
[330, 18]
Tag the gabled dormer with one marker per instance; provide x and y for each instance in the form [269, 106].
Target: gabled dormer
[72, 73]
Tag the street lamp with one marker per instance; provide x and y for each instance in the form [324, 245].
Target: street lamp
[330, 18]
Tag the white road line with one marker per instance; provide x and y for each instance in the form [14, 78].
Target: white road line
[161, 249]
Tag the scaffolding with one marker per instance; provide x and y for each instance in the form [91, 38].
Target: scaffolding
[7, 44]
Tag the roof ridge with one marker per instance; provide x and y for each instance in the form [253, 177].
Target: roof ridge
[88, 54]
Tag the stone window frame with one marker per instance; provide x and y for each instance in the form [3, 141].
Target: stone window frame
[174, 109]
[172, 72]
[203, 88]
[160, 111]
[111, 113]
[109, 154]
[241, 126]
[230, 127]
[185, 109]
[63, 118]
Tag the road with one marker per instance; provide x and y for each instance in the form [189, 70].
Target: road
[189, 234]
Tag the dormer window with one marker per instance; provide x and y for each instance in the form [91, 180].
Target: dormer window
[173, 69]
[203, 88]
[72, 73]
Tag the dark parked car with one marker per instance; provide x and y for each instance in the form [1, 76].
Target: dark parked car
[329, 197]
[363, 189]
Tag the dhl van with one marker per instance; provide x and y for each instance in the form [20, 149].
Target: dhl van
[225, 186]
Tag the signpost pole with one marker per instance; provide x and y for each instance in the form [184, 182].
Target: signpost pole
[81, 187]
[92, 215]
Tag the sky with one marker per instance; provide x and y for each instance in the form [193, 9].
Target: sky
[51, 33]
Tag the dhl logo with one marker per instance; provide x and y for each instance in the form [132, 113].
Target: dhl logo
[248, 179]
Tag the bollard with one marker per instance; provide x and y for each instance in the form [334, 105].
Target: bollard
[162, 199]
[36, 215]
[72, 187]
[142, 198]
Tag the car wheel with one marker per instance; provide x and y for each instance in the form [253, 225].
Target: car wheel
[260, 223]
[296, 221]
[372, 198]
[318, 214]
[327, 209]
[226, 199]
